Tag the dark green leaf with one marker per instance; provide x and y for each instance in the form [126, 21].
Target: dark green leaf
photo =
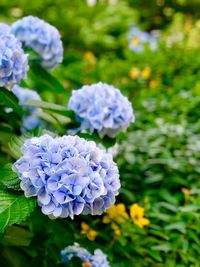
[14, 208]
[9, 178]
[51, 107]
[10, 100]
[46, 78]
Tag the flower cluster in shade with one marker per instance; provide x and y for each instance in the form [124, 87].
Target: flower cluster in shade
[31, 120]
[69, 175]
[99, 259]
[101, 107]
[13, 60]
[138, 40]
[40, 36]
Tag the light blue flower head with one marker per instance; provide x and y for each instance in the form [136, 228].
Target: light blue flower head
[69, 175]
[40, 36]
[13, 60]
[4, 29]
[102, 107]
[138, 40]
[99, 259]
[31, 120]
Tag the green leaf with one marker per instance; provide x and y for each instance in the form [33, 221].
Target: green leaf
[9, 178]
[15, 144]
[46, 78]
[51, 107]
[10, 100]
[163, 247]
[190, 208]
[106, 141]
[155, 255]
[14, 208]
[179, 226]
[17, 235]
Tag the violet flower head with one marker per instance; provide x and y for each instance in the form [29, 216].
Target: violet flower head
[69, 175]
[42, 37]
[138, 40]
[31, 120]
[13, 60]
[102, 107]
[99, 259]
[4, 29]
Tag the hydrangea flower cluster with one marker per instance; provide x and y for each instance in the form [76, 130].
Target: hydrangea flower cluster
[4, 29]
[101, 107]
[13, 60]
[40, 36]
[99, 259]
[31, 120]
[138, 40]
[69, 175]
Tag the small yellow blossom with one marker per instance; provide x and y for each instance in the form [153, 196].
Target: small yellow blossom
[135, 41]
[90, 57]
[137, 214]
[134, 73]
[116, 213]
[146, 72]
[186, 191]
[86, 264]
[153, 84]
[116, 229]
[86, 230]
[187, 26]
[92, 234]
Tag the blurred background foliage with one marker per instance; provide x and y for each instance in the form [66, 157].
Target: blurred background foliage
[159, 157]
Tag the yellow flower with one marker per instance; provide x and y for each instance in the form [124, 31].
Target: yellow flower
[116, 213]
[86, 264]
[116, 229]
[92, 234]
[137, 214]
[187, 26]
[186, 191]
[146, 72]
[86, 230]
[90, 57]
[134, 73]
[153, 84]
[135, 41]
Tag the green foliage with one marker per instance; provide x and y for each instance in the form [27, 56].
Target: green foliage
[14, 208]
[158, 157]
[9, 179]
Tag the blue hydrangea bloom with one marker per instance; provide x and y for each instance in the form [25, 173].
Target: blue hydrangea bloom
[69, 175]
[99, 259]
[13, 60]
[40, 36]
[31, 120]
[4, 29]
[102, 107]
[138, 40]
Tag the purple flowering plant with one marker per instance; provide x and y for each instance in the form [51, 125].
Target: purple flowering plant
[68, 175]
[52, 174]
